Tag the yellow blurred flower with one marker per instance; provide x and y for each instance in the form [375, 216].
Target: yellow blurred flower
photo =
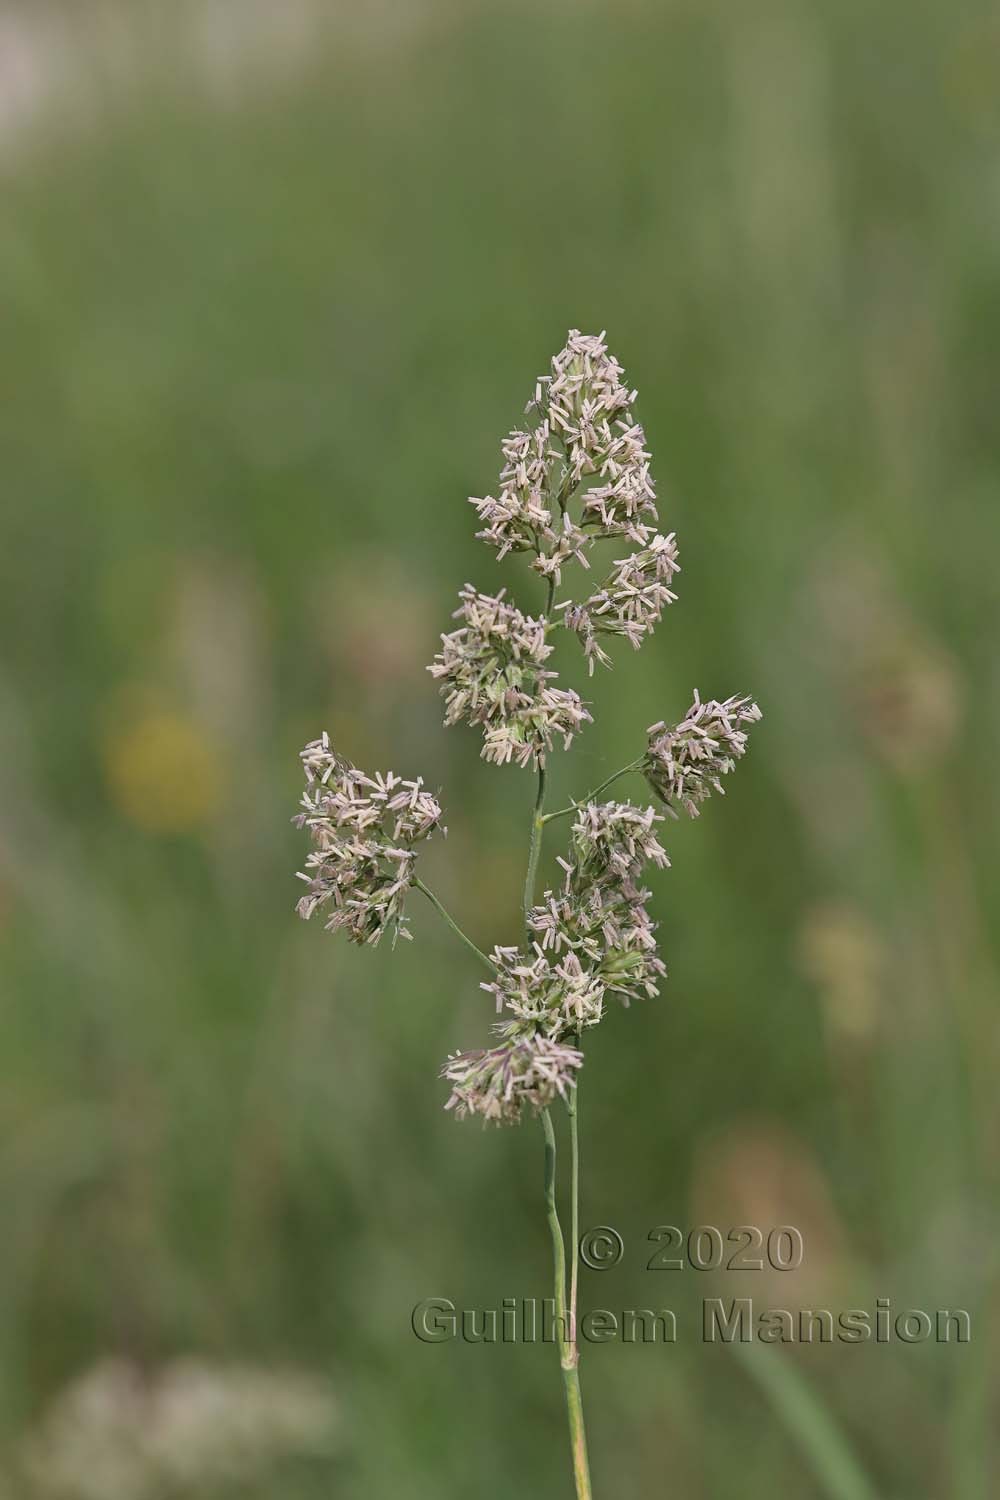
[903, 685]
[842, 954]
[164, 774]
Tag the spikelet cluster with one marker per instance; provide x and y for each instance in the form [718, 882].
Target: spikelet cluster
[683, 765]
[629, 604]
[592, 937]
[499, 1082]
[492, 673]
[582, 443]
[575, 475]
[364, 831]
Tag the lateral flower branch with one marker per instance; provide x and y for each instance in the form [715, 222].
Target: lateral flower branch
[577, 474]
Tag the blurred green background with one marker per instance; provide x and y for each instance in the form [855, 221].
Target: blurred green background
[275, 279]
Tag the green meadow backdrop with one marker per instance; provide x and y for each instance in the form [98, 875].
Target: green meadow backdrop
[274, 282]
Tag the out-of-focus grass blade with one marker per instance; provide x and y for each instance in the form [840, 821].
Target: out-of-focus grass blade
[808, 1423]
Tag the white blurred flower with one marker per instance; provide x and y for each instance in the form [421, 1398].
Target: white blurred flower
[120, 1433]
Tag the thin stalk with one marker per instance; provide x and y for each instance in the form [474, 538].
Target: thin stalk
[537, 818]
[574, 1208]
[454, 925]
[566, 1321]
[564, 812]
[555, 1229]
[567, 1343]
[534, 850]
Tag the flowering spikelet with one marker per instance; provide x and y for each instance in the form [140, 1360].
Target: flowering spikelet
[594, 936]
[583, 438]
[498, 1083]
[576, 474]
[631, 602]
[683, 764]
[519, 517]
[613, 840]
[492, 673]
[557, 998]
[600, 914]
[363, 830]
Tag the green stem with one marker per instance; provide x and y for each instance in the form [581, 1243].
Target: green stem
[535, 849]
[537, 820]
[568, 1351]
[574, 1210]
[578, 1434]
[555, 1229]
[567, 1332]
[454, 925]
[564, 812]
[566, 1315]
